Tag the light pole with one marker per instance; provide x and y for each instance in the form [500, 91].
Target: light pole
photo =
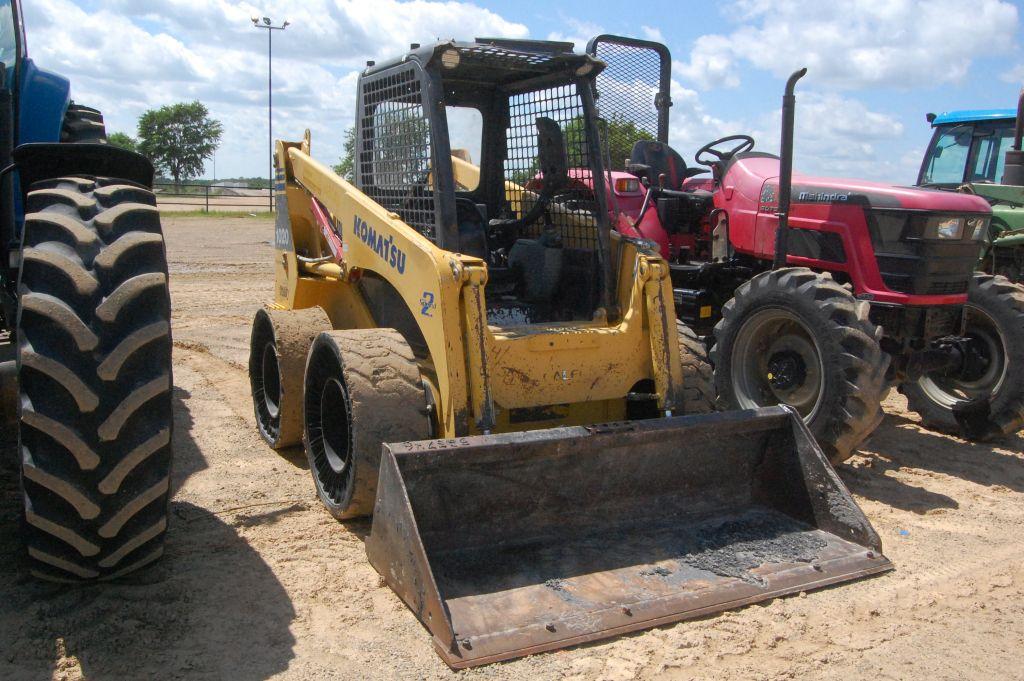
[266, 23]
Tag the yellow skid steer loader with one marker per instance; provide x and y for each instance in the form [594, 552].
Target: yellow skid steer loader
[499, 379]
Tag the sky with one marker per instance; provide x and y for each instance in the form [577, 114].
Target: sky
[874, 68]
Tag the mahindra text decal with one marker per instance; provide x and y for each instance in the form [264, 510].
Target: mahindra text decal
[381, 245]
[822, 197]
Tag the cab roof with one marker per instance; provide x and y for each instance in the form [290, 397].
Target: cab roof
[973, 116]
[496, 60]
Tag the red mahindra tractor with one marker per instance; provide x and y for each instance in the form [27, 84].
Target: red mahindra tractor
[819, 293]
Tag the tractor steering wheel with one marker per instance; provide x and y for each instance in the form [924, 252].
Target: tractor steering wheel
[746, 143]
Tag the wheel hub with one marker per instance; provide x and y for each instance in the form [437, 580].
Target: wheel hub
[786, 370]
[776, 361]
[981, 371]
[334, 425]
[271, 380]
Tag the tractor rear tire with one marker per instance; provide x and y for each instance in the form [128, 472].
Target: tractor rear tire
[94, 362]
[797, 337]
[278, 349]
[83, 125]
[362, 389]
[698, 375]
[995, 319]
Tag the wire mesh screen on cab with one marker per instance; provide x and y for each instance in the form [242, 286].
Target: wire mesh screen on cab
[394, 148]
[573, 211]
[632, 95]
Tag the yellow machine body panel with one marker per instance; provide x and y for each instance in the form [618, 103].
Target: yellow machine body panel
[484, 377]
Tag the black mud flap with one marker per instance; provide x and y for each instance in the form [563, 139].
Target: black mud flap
[40, 161]
[508, 545]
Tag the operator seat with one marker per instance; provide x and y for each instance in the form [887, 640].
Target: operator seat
[651, 159]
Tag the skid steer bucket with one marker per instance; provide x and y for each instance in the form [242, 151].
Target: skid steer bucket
[507, 545]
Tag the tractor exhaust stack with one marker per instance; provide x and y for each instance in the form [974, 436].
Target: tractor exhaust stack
[786, 170]
[513, 544]
[1014, 168]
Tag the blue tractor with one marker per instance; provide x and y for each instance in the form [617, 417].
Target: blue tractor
[85, 344]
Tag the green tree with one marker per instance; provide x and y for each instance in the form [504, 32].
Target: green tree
[178, 138]
[618, 135]
[346, 164]
[123, 140]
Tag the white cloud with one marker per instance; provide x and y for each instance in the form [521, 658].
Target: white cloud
[839, 137]
[651, 33]
[1014, 75]
[576, 32]
[131, 55]
[691, 126]
[855, 43]
[835, 136]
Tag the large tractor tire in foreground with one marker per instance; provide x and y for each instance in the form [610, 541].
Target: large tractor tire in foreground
[797, 337]
[278, 349]
[698, 375]
[987, 392]
[94, 361]
[362, 389]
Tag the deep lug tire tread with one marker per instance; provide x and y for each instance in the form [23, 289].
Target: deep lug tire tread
[95, 387]
[855, 364]
[386, 399]
[83, 124]
[698, 374]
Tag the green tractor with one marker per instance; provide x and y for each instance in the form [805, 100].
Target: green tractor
[979, 152]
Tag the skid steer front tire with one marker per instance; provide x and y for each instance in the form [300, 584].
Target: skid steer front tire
[94, 361]
[278, 348]
[362, 389]
[995, 324]
[797, 337]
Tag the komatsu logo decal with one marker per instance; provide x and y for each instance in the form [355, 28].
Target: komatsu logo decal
[382, 245]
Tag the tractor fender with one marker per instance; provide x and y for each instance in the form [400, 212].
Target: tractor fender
[39, 161]
[44, 98]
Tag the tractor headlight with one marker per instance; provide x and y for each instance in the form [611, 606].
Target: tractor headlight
[977, 228]
[944, 228]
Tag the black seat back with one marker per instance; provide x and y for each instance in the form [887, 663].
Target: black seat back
[655, 158]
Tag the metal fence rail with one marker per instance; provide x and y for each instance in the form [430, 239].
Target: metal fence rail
[208, 198]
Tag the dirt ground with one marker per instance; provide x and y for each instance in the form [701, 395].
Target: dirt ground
[259, 582]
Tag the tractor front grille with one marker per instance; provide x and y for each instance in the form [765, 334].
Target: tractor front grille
[912, 264]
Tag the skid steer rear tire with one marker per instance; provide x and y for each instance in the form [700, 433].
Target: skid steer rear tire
[362, 389]
[789, 330]
[995, 317]
[94, 360]
[278, 349]
[698, 375]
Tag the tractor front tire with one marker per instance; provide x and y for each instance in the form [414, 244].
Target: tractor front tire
[94, 362]
[698, 375]
[990, 399]
[796, 337]
[278, 348]
[362, 389]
